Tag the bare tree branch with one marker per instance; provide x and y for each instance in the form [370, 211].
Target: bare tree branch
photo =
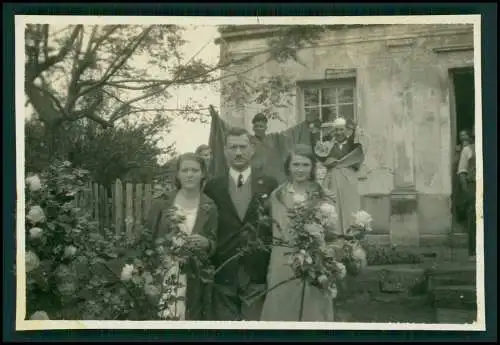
[119, 62]
[115, 115]
[34, 71]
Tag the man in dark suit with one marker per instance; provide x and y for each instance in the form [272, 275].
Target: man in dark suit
[239, 195]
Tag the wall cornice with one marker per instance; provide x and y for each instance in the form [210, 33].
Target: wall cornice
[374, 37]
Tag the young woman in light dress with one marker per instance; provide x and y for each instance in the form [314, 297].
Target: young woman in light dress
[285, 303]
[200, 226]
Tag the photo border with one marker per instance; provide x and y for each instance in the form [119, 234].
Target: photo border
[488, 62]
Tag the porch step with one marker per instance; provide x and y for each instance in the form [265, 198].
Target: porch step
[452, 276]
[455, 304]
[455, 297]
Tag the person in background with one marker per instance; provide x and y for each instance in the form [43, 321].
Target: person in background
[467, 176]
[270, 149]
[465, 139]
[205, 152]
[342, 158]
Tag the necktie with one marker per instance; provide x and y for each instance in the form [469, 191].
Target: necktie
[240, 180]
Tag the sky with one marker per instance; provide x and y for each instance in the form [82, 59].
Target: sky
[189, 135]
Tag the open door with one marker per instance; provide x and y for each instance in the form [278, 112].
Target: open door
[462, 119]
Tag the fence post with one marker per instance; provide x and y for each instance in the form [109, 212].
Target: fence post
[147, 199]
[103, 193]
[129, 215]
[138, 208]
[95, 200]
[118, 206]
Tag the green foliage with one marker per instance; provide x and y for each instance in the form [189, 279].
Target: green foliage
[76, 272]
[385, 255]
[128, 152]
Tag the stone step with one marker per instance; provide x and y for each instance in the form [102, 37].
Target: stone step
[455, 316]
[452, 274]
[454, 297]
[388, 279]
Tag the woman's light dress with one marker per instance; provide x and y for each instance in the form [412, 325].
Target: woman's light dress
[284, 302]
[177, 308]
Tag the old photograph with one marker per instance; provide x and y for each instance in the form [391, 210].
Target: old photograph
[280, 171]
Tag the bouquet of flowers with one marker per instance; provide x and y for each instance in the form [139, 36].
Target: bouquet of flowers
[312, 225]
[354, 256]
[162, 273]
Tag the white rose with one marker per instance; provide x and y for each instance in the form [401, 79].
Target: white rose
[32, 261]
[332, 292]
[363, 219]
[69, 251]
[314, 230]
[36, 233]
[359, 253]
[39, 315]
[342, 271]
[36, 215]
[66, 288]
[34, 183]
[151, 290]
[148, 278]
[322, 279]
[126, 274]
[298, 259]
[327, 209]
[178, 241]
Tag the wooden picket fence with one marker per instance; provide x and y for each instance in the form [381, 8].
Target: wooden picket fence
[121, 206]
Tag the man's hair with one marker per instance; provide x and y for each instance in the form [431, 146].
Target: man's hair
[201, 148]
[236, 132]
[259, 118]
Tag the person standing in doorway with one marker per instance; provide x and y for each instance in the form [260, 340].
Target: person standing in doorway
[467, 175]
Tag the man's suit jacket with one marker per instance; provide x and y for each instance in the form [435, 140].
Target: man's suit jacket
[230, 228]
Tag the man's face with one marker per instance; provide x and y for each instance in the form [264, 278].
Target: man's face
[260, 128]
[464, 137]
[239, 151]
[339, 133]
[206, 154]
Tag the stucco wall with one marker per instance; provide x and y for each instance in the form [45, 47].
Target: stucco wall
[403, 106]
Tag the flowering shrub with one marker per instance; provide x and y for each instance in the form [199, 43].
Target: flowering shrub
[76, 272]
[53, 226]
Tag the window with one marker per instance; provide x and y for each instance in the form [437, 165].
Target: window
[328, 100]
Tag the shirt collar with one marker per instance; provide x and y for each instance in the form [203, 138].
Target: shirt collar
[342, 143]
[234, 174]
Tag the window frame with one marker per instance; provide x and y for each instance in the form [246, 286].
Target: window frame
[349, 81]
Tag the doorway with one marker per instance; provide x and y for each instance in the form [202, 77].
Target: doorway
[462, 118]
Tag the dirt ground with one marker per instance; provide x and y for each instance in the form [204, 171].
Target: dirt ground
[390, 308]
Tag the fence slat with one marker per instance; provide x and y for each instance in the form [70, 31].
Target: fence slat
[95, 200]
[118, 206]
[129, 212]
[104, 207]
[138, 208]
[147, 199]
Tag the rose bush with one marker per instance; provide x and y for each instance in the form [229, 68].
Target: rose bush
[75, 271]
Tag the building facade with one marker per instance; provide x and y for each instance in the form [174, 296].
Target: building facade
[409, 88]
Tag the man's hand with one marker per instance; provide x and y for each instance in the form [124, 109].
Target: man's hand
[198, 242]
[330, 162]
